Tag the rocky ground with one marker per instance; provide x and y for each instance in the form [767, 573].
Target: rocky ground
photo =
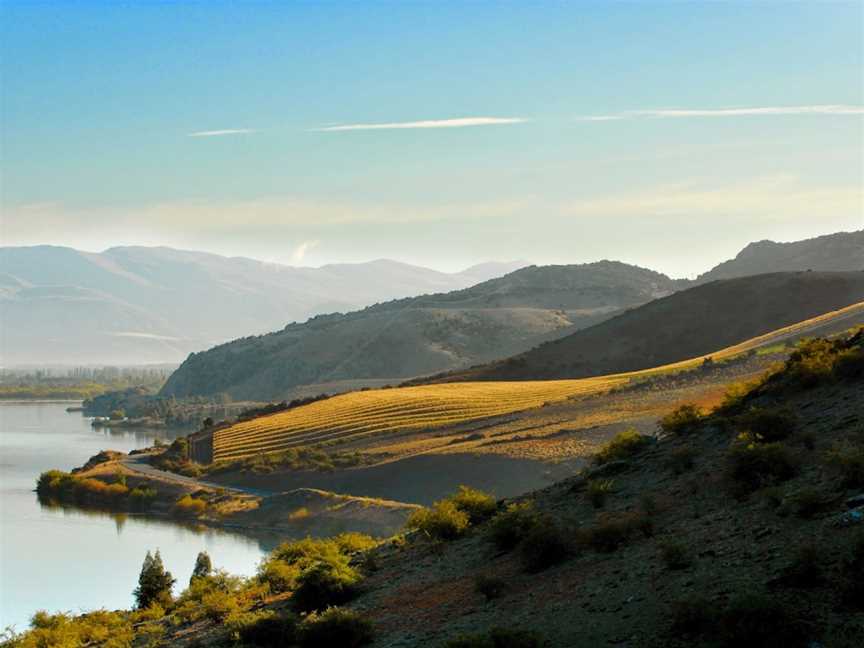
[425, 592]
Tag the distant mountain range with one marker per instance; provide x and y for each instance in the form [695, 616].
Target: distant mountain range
[136, 304]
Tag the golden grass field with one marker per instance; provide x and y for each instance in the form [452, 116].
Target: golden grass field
[354, 416]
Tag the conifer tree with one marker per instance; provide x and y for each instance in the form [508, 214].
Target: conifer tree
[154, 583]
[203, 566]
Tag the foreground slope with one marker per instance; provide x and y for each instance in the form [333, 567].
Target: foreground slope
[690, 323]
[743, 527]
[704, 538]
[422, 335]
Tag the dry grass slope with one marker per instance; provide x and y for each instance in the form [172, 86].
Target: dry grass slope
[349, 418]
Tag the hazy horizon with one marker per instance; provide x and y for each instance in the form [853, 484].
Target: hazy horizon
[667, 135]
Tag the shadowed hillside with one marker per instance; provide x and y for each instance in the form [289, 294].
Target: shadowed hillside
[422, 335]
[830, 253]
[687, 324]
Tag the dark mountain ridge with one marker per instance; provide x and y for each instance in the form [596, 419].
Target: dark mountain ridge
[687, 324]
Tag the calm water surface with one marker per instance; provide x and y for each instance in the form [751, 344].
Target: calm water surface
[62, 559]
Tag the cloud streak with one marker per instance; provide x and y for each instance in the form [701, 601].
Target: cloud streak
[221, 133]
[461, 122]
[828, 109]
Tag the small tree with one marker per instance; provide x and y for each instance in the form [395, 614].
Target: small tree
[203, 566]
[154, 583]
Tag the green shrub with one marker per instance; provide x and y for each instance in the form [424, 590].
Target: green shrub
[308, 551]
[352, 542]
[753, 465]
[683, 420]
[218, 605]
[188, 506]
[62, 630]
[510, 526]
[278, 575]
[545, 545]
[479, 506]
[612, 530]
[443, 521]
[267, 629]
[491, 587]
[622, 446]
[598, 490]
[325, 584]
[335, 627]
[767, 424]
[496, 638]
[736, 396]
[810, 364]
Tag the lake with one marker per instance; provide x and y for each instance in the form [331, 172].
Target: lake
[68, 560]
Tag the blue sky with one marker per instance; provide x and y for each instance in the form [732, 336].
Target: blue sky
[719, 124]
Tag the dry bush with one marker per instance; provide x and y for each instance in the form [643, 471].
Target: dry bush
[683, 420]
[622, 446]
[479, 506]
[598, 490]
[443, 521]
[545, 545]
[335, 627]
[510, 526]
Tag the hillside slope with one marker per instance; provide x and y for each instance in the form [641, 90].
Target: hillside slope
[421, 335]
[158, 304]
[690, 323]
[702, 538]
[831, 253]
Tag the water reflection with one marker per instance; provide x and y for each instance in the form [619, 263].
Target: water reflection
[57, 557]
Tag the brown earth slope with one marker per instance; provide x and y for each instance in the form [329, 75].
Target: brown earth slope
[776, 555]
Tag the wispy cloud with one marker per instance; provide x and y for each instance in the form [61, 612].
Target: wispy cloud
[300, 251]
[461, 122]
[828, 109]
[220, 133]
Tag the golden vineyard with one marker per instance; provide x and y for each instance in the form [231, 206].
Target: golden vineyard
[350, 417]
[353, 416]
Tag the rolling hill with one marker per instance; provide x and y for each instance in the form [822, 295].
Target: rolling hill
[831, 253]
[364, 418]
[422, 335]
[137, 304]
[689, 323]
